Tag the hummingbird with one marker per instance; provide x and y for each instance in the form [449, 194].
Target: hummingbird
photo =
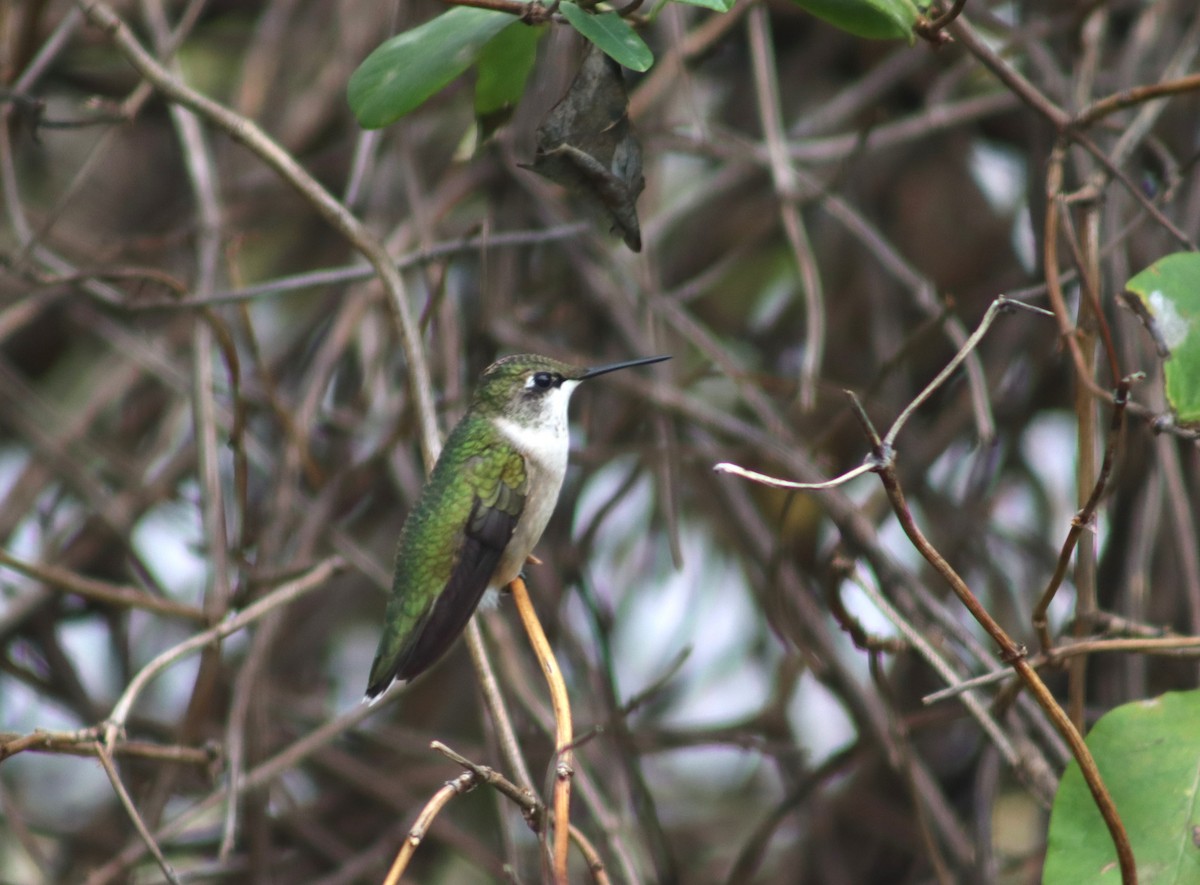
[482, 510]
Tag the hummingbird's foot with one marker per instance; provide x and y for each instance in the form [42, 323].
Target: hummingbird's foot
[529, 560]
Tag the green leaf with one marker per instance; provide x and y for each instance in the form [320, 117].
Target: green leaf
[1146, 752]
[615, 36]
[504, 66]
[1169, 290]
[406, 70]
[717, 5]
[874, 19]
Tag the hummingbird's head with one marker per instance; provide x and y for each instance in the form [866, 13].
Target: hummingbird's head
[528, 389]
[531, 389]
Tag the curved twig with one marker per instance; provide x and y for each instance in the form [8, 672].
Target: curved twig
[118, 785]
[464, 783]
[563, 739]
[285, 594]
[1015, 656]
[1083, 518]
[262, 145]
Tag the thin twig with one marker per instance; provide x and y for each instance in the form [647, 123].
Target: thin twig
[130, 809]
[1168, 646]
[783, 177]
[921, 644]
[923, 292]
[1014, 656]
[201, 813]
[353, 272]
[999, 304]
[763, 479]
[591, 856]
[1134, 189]
[245, 700]
[464, 783]
[83, 743]
[1016, 82]
[1083, 518]
[249, 134]
[283, 595]
[1136, 95]
[532, 13]
[905, 766]
[101, 591]
[1081, 341]
[510, 747]
[526, 799]
[929, 29]
[563, 740]
[852, 626]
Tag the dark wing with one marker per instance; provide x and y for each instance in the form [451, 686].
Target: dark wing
[487, 534]
[489, 527]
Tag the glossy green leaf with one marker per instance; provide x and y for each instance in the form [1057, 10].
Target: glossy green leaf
[717, 5]
[406, 70]
[1169, 290]
[874, 19]
[615, 36]
[1147, 755]
[503, 68]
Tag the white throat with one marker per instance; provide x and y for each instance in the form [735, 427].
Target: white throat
[545, 441]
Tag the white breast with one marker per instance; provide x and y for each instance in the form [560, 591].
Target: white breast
[544, 448]
[545, 444]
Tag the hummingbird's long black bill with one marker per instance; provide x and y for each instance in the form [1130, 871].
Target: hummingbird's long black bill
[604, 370]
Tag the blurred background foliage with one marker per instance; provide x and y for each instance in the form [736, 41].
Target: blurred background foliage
[193, 414]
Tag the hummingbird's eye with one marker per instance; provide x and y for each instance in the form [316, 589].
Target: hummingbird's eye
[543, 380]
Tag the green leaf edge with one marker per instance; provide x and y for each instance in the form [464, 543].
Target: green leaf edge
[490, 99]
[870, 19]
[714, 5]
[1180, 389]
[447, 45]
[614, 36]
